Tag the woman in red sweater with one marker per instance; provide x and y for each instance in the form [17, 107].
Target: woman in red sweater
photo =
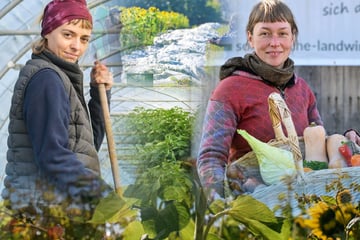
[240, 99]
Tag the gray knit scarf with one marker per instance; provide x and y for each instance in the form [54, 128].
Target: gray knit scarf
[277, 77]
[72, 70]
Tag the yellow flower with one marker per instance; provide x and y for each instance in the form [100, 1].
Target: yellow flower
[343, 197]
[345, 212]
[300, 222]
[323, 221]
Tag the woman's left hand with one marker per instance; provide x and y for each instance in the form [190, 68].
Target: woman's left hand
[353, 136]
[100, 74]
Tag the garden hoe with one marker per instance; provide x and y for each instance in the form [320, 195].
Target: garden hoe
[110, 139]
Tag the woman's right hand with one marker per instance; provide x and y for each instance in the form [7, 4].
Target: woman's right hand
[100, 74]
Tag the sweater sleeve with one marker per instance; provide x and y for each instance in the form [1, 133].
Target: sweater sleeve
[46, 114]
[218, 130]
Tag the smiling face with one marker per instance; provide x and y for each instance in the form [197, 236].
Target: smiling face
[272, 42]
[69, 41]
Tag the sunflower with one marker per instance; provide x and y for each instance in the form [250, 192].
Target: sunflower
[345, 212]
[343, 197]
[323, 221]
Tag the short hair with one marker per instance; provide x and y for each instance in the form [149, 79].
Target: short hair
[271, 11]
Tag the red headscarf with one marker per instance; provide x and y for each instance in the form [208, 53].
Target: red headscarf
[58, 12]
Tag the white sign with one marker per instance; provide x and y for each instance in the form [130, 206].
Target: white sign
[329, 31]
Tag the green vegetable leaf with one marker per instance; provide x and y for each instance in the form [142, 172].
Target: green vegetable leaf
[112, 209]
[274, 163]
[315, 165]
[261, 229]
[217, 206]
[134, 231]
[248, 207]
[328, 199]
[174, 217]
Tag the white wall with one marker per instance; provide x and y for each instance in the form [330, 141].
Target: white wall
[328, 30]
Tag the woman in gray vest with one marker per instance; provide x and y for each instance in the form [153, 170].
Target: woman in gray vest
[54, 135]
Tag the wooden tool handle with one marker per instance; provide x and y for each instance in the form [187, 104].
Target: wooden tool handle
[110, 138]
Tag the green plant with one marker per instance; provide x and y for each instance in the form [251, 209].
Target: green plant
[168, 195]
[164, 198]
[163, 191]
[167, 201]
[161, 135]
[253, 218]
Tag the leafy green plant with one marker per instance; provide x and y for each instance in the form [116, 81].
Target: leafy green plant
[167, 193]
[163, 191]
[164, 198]
[161, 135]
[251, 214]
[167, 201]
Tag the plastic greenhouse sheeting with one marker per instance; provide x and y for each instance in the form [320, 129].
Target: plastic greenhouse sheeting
[19, 27]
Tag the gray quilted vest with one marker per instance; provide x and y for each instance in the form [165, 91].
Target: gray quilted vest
[24, 183]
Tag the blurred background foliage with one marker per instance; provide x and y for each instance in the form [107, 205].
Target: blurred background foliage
[140, 25]
[197, 11]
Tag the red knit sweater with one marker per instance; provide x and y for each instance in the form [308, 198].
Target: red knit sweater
[241, 102]
[247, 96]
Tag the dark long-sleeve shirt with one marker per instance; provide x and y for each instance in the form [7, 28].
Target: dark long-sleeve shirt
[47, 113]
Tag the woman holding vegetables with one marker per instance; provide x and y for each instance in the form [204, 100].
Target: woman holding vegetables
[239, 101]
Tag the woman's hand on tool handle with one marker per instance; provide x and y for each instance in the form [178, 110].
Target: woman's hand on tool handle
[100, 74]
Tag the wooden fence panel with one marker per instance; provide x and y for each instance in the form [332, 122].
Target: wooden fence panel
[352, 97]
[338, 93]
